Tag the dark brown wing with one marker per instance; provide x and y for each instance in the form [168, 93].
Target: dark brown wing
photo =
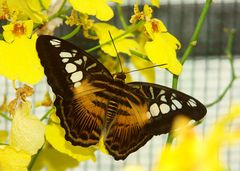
[70, 72]
[164, 104]
[128, 131]
[136, 123]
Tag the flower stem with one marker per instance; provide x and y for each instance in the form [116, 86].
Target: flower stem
[5, 117]
[59, 11]
[71, 34]
[229, 55]
[4, 144]
[129, 30]
[189, 49]
[47, 113]
[34, 158]
[138, 54]
[41, 3]
[121, 17]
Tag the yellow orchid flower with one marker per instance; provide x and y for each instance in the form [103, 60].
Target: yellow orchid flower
[3, 136]
[139, 63]
[201, 154]
[27, 131]
[12, 159]
[17, 29]
[162, 47]
[124, 44]
[155, 3]
[98, 8]
[160, 52]
[18, 56]
[53, 160]
[55, 136]
[117, 1]
[146, 14]
[24, 9]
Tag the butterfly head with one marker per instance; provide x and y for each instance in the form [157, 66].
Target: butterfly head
[120, 76]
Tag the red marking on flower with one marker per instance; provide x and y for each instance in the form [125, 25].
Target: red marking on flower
[18, 29]
[155, 26]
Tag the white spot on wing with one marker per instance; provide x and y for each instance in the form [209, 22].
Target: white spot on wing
[177, 103]
[76, 76]
[65, 54]
[164, 108]
[70, 68]
[77, 84]
[154, 109]
[173, 96]
[55, 42]
[163, 98]
[173, 107]
[192, 102]
[149, 115]
[151, 91]
[64, 60]
[162, 92]
[74, 50]
[84, 58]
[79, 61]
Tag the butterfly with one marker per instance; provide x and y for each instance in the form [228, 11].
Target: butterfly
[92, 103]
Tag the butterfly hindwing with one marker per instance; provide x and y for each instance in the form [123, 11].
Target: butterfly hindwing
[134, 124]
[127, 132]
[70, 72]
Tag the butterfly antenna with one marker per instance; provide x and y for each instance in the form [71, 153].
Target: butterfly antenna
[145, 68]
[116, 51]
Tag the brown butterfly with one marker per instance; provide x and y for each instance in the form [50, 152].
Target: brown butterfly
[91, 102]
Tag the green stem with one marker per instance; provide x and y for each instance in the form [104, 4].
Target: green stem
[129, 30]
[229, 55]
[47, 113]
[41, 3]
[71, 34]
[189, 49]
[34, 158]
[194, 38]
[3, 144]
[59, 12]
[121, 17]
[5, 117]
[138, 54]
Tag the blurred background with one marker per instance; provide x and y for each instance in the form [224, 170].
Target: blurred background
[205, 75]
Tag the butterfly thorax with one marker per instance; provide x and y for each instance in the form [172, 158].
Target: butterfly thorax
[120, 76]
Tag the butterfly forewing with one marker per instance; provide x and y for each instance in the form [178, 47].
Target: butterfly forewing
[91, 104]
[164, 104]
[70, 72]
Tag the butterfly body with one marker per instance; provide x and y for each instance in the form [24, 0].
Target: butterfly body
[91, 103]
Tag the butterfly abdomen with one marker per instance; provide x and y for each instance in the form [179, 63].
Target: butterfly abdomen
[112, 110]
